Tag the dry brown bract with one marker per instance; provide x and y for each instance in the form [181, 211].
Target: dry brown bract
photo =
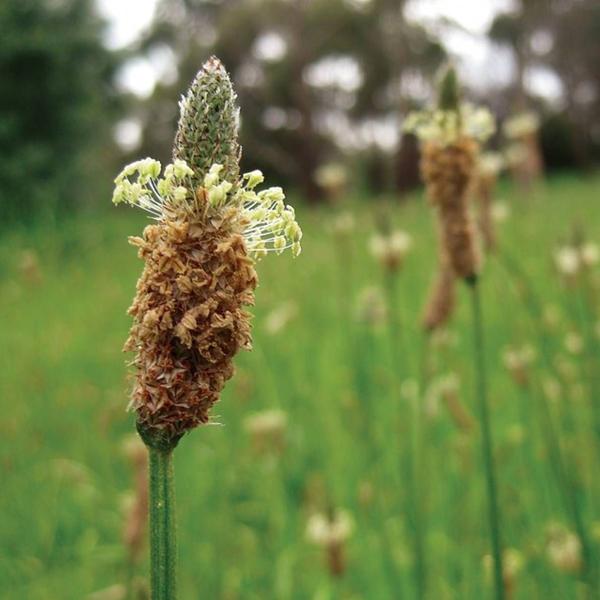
[447, 171]
[442, 297]
[484, 193]
[189, 320]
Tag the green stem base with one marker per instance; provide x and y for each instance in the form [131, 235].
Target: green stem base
[163, 544]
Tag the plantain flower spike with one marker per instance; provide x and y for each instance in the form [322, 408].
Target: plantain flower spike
[207, 132]
[488, 168]
[441, 300]
[450, 136]
[211, 226]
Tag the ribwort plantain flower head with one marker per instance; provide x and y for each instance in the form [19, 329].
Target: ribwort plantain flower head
[390, 249]
[451, 119]
[490, 164]
[518, 361]
[331, 531]
[441, 300]
[325, 529]
[574, 259]
[450, 135]
[521, 125]
[448, 126]
[563, 548]
[261, 218]
[211, 226]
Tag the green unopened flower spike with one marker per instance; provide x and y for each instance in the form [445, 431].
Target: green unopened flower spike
[449, 91]
[207, 132]
[189, 317]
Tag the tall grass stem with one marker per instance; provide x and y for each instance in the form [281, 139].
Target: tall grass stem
[398, 351]
[564, 473]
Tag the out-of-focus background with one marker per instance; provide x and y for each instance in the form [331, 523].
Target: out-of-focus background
[86, 85]
[316, 428]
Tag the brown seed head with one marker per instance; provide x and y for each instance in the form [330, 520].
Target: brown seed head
[484, 193]
[442, 297]
[188, 314]
[447, 171]
[189, 321]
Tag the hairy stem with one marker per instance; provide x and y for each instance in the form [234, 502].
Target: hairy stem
[486, 439]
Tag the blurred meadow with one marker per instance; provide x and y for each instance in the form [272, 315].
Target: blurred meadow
[245, 495]
[349, 431]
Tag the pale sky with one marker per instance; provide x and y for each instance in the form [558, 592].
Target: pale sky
[129, 18]
[480, 63]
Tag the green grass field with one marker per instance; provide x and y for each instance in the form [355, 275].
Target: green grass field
[243, 507]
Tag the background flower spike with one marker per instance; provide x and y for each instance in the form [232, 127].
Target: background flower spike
[449, 90]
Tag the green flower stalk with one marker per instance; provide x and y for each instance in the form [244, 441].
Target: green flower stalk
[450, 136]
[189, 317]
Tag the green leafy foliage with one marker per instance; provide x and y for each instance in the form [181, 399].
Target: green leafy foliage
[56, 107]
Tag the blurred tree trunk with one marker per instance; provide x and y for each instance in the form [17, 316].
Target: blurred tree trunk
[407, 165]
